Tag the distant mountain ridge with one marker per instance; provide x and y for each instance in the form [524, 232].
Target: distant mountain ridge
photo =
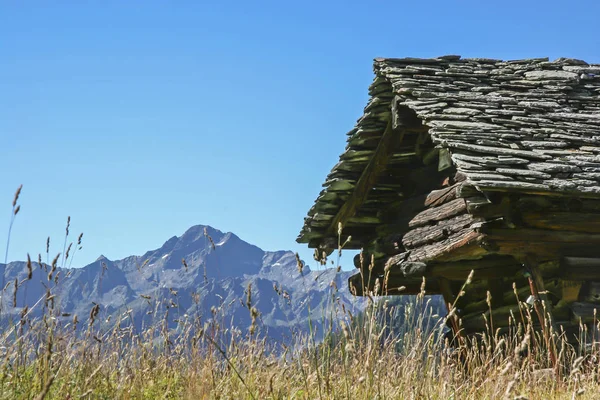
[219, 267]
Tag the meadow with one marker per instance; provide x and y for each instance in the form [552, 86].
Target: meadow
[393, 350]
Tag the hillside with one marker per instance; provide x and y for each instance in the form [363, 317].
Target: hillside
[213, 283]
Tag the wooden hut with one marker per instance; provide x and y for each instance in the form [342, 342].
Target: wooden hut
[473, 164]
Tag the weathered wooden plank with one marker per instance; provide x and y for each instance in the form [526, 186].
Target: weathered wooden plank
[580, 268]
[485, 268]
[433, 233]
[546, 250]
[461, 245]
[477, 292]
[396, 285]
[500, 317]
[539, 235]
[587, 312]
[473, 304]
[445, 211]
[482, 207]
[468, 190]
[581, 262]
[563, 221]
[441, 196]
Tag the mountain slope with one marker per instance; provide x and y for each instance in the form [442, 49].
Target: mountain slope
[213, 283]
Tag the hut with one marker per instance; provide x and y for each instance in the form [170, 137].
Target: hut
[472, 164]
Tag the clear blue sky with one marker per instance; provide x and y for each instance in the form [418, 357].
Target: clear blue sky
[141, 118]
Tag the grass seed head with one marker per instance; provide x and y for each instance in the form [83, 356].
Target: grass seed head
[55, 262]
[94, 313]
[470, 277]
[184, 263]
[68, 225]
[249, 296]
[68, 251]
[16, 284]
[254, 314]
[299, 263]
[24, 312]
[29, 268]
[17, 194]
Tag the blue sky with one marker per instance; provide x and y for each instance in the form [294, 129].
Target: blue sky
[141, 118]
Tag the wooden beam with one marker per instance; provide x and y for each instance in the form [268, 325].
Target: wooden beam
[445, 211]
[539, 235]
[444, 195]
[563, 221]
[474, 300]
[587, 312]
[432, 233]
[540, 297]
[394, 285]
[377, 164]
[493, 267]
[449, 299]
[536, 283]
[580, 268]
[465, 244]
[544, 250]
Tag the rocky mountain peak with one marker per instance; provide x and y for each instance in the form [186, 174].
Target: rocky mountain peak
[219, 274]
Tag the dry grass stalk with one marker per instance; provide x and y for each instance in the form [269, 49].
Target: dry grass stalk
[17, 194]
[391, 350]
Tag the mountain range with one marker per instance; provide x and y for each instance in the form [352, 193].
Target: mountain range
[203, 273]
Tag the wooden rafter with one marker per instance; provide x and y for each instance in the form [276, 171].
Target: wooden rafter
[377, 164]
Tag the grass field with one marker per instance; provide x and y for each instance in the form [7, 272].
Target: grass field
[391, 351]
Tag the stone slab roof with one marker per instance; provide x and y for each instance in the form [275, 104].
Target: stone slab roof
[525, 125]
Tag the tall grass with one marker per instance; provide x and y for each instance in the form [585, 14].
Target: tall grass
[392, 350]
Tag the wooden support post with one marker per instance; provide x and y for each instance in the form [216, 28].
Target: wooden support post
[392, 136]
[536, 283]
[540, 299]
[449, 299]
